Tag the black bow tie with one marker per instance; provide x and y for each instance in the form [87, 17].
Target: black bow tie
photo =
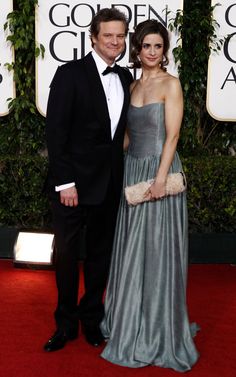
[109, 69]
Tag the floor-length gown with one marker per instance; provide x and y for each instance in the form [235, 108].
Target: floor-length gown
[146, 320]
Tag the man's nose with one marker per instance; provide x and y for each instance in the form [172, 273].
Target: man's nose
[114, 40]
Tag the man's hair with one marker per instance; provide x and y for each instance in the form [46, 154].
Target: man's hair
[106, 15]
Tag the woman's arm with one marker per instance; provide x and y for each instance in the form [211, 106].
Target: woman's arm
[173, 120]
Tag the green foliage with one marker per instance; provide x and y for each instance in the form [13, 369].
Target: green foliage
[22, 201]
[197, 29]
[22, 142]
[211, 193]
[22, 131]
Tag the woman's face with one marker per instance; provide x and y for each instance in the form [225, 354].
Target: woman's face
[151, 54]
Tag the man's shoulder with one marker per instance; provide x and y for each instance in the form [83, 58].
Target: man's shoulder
[128, 75]
[74, 64]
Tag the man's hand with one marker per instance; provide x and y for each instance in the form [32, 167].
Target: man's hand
[69, 197]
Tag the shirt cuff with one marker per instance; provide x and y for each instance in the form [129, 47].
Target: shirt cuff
[65, 186]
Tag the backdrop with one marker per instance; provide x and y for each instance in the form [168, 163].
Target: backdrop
[221, 86]
[63, 29]
[7, 89]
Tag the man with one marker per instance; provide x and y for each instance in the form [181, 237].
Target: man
[85, 125]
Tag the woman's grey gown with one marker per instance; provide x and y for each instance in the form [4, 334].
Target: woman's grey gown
[146, 320]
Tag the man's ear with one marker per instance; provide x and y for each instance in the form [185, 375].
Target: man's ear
[93, 39]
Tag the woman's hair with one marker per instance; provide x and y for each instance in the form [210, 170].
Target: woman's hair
[145, 28]
[107, 15]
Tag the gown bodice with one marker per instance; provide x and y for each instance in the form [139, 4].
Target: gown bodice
[146, 127]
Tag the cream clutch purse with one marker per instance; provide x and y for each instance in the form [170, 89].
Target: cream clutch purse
[175, 184]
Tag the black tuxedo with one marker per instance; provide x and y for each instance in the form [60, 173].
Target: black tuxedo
[78, 131]
[81, 150]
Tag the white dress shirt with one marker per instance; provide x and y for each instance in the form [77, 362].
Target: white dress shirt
[114, 95]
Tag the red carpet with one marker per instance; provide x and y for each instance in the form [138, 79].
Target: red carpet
[28, 297]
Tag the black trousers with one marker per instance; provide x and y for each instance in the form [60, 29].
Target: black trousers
[99, 221]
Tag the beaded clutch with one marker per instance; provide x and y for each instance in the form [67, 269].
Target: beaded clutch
[175, 184]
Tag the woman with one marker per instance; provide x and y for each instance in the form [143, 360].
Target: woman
[146, 320]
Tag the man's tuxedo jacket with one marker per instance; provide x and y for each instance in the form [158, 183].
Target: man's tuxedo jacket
[78, 131]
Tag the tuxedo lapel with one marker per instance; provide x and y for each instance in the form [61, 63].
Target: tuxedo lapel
[99, 98]
[126, 100]
[98, 95]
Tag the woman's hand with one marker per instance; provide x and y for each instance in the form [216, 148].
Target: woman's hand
[157, 190]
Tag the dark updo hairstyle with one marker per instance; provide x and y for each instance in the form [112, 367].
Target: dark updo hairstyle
[107, 15]
[145, 28]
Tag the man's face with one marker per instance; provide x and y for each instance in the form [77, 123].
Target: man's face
[110, 41]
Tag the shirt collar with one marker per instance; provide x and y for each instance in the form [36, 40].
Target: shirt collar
[100, 63]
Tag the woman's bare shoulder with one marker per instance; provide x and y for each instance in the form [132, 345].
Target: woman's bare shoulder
[174, 80]
[133, 85]
[173, 83]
